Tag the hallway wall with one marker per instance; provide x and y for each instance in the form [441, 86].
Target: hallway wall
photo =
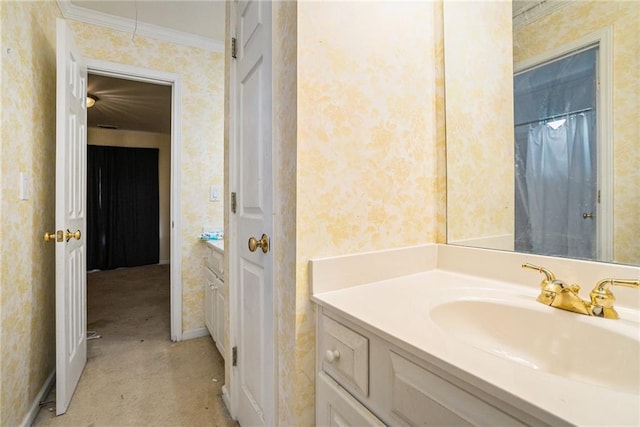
[27, 145]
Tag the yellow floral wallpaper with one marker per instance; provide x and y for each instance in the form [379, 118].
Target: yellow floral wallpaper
[441, 135]
[27, 145]
[202, 136]
[575, 20]
[479, 127]
[367, 145]
[284, 157]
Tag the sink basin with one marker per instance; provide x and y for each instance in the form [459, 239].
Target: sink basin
[601, 352]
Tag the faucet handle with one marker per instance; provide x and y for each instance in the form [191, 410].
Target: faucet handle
[550, 281]
[549, 276]
[602, 299]
[549, 287]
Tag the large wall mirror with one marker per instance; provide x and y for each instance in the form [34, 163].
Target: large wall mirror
[543, 127]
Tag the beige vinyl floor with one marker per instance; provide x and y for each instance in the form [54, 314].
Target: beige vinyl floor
[135, 375]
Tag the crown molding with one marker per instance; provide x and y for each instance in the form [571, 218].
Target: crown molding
[538, 10]
[71, 11]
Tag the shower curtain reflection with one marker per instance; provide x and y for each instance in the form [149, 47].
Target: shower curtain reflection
[555, 157]
[556, 162]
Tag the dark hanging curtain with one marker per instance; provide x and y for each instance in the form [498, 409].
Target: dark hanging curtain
[122, 207]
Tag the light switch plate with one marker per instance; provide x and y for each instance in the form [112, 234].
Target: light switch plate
[214, 193]
[24, 186]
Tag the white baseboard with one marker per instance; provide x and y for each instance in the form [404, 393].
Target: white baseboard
[195, 333]
[35, 406]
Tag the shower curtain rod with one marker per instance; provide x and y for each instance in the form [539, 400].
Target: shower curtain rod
[557, 116]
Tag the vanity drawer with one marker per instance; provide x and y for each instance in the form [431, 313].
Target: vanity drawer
[214, 261]
[345, 355]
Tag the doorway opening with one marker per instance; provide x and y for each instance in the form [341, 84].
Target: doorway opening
[563, 151]
[147, 107]
[556, 156]
[128, 206]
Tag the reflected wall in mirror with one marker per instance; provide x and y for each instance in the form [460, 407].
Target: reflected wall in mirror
[578, 64]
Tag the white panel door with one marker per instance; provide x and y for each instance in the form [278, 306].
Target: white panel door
[71, 161]
[255, 369]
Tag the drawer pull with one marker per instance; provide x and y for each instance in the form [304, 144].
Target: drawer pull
[332, 355]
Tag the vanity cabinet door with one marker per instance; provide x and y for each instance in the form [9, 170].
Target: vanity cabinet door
[219, 316]
[215, 261]
[419, 397]
[210, 301]
[337, 408]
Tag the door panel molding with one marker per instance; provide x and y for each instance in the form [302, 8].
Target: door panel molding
[70, 268]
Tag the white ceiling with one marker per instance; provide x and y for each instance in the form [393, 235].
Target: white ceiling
[131, 105]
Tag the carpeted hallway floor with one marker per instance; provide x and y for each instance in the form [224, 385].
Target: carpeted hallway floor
[135, 375]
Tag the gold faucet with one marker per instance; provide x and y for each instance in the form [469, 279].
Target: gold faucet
[558, 294]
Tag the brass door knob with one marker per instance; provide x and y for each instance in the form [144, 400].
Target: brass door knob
[50, 237]
[262, 243]
[586, 215]
[68, 235]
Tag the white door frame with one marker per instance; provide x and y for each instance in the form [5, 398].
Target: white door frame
[232, 249]
[604, 209]
[130, 72]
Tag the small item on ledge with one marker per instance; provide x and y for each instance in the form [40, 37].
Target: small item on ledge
[212, 235]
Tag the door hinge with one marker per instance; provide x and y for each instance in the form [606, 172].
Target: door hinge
[234, 203]
[234, 48]
[234, 356]
[598, 196]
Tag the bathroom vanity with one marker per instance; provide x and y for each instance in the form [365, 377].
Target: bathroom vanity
[365, 379]
[215, 292]
[433, 335]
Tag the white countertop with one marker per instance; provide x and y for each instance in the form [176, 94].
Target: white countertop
[398, 310]
[216, 244]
